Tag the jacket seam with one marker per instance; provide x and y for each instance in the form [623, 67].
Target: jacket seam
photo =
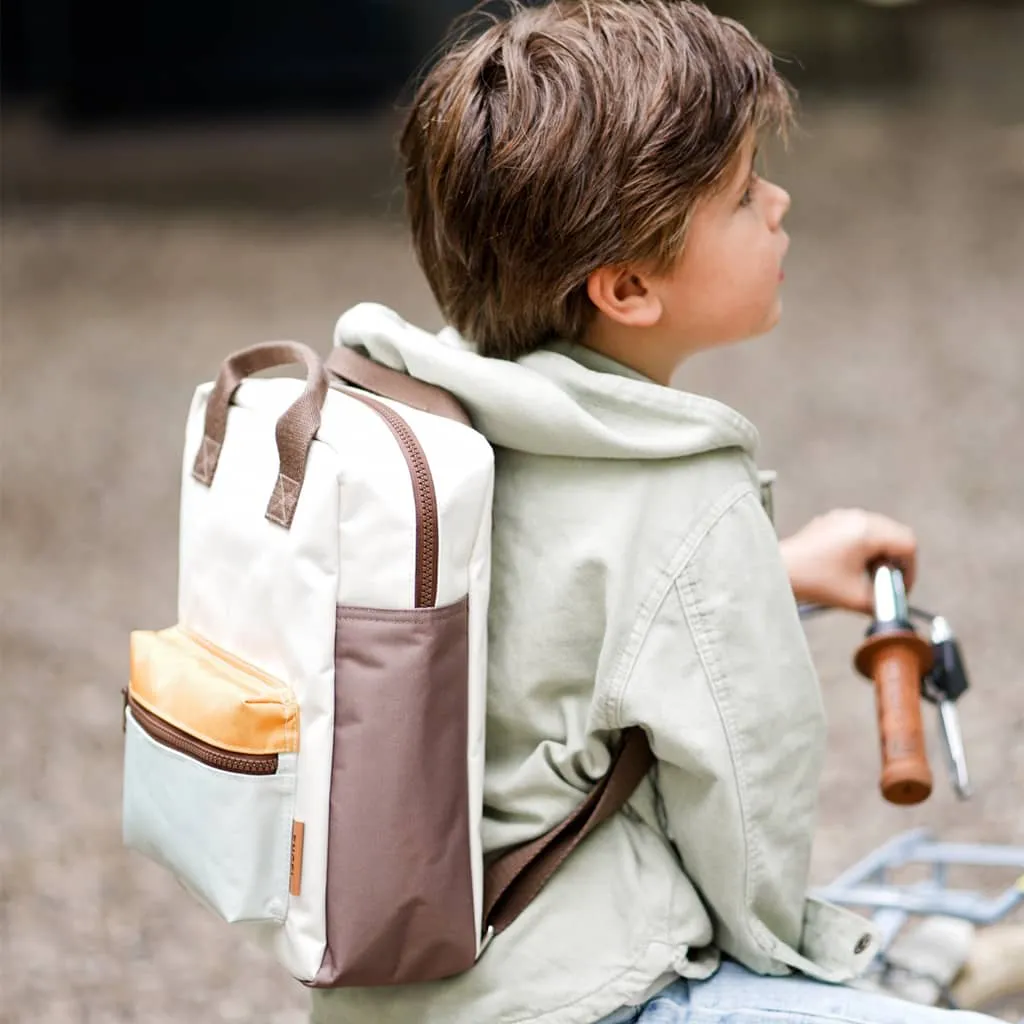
[695, 616]
[622, 673]
[697, 619]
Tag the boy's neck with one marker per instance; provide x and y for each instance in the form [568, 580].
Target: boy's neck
[644, 350]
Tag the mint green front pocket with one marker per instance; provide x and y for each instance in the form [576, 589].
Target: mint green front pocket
[225, 834]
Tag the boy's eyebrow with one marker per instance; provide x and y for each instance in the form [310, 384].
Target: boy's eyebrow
[753, 163]
[744, 180]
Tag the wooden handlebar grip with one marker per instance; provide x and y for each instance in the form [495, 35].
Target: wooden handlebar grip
[896, 660]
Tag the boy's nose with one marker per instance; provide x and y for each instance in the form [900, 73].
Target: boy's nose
[781, 205]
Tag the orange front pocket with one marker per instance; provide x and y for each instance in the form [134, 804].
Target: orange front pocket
[212, 695]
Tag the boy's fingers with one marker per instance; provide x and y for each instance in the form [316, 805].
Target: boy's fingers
[895, 542]
[862, 597]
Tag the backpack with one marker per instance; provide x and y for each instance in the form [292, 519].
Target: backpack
[304, 748]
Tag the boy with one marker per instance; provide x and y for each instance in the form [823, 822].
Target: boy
[582, 189]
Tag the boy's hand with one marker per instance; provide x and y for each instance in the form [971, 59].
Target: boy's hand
[828, 559]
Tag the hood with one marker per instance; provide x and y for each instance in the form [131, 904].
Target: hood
[562, 400]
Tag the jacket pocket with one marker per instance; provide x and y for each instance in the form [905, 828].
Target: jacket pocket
[209, 776]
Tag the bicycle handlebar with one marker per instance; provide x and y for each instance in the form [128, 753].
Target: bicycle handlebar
[896, 659]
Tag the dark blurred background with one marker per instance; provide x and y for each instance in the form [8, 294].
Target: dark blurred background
[106, 60]
[182, 179]
[113, 59]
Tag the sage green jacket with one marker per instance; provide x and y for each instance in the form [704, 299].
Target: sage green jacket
[636, 581]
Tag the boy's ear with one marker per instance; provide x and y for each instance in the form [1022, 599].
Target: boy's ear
[624, 295]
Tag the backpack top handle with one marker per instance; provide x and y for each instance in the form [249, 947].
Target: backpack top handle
[295, 429]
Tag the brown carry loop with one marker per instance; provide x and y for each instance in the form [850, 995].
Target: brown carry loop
[361, 371]
[513, 881]
[295, 429]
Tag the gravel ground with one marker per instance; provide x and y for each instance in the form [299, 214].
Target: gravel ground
[896, 382]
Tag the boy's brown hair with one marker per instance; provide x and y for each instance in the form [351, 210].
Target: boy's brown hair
[568, 137]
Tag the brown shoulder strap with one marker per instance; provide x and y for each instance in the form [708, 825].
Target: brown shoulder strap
[516, 877]
[365, 373]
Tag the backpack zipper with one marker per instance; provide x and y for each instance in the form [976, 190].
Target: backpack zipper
[171, 736]
[423, 493]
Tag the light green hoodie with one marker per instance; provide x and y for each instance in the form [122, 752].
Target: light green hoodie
[636, 580]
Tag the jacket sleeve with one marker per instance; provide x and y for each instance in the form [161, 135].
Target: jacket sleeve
[722, 681]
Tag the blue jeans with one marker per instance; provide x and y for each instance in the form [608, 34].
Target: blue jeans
[736, 996]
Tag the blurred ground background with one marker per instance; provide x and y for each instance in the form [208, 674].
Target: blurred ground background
[136, 256]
